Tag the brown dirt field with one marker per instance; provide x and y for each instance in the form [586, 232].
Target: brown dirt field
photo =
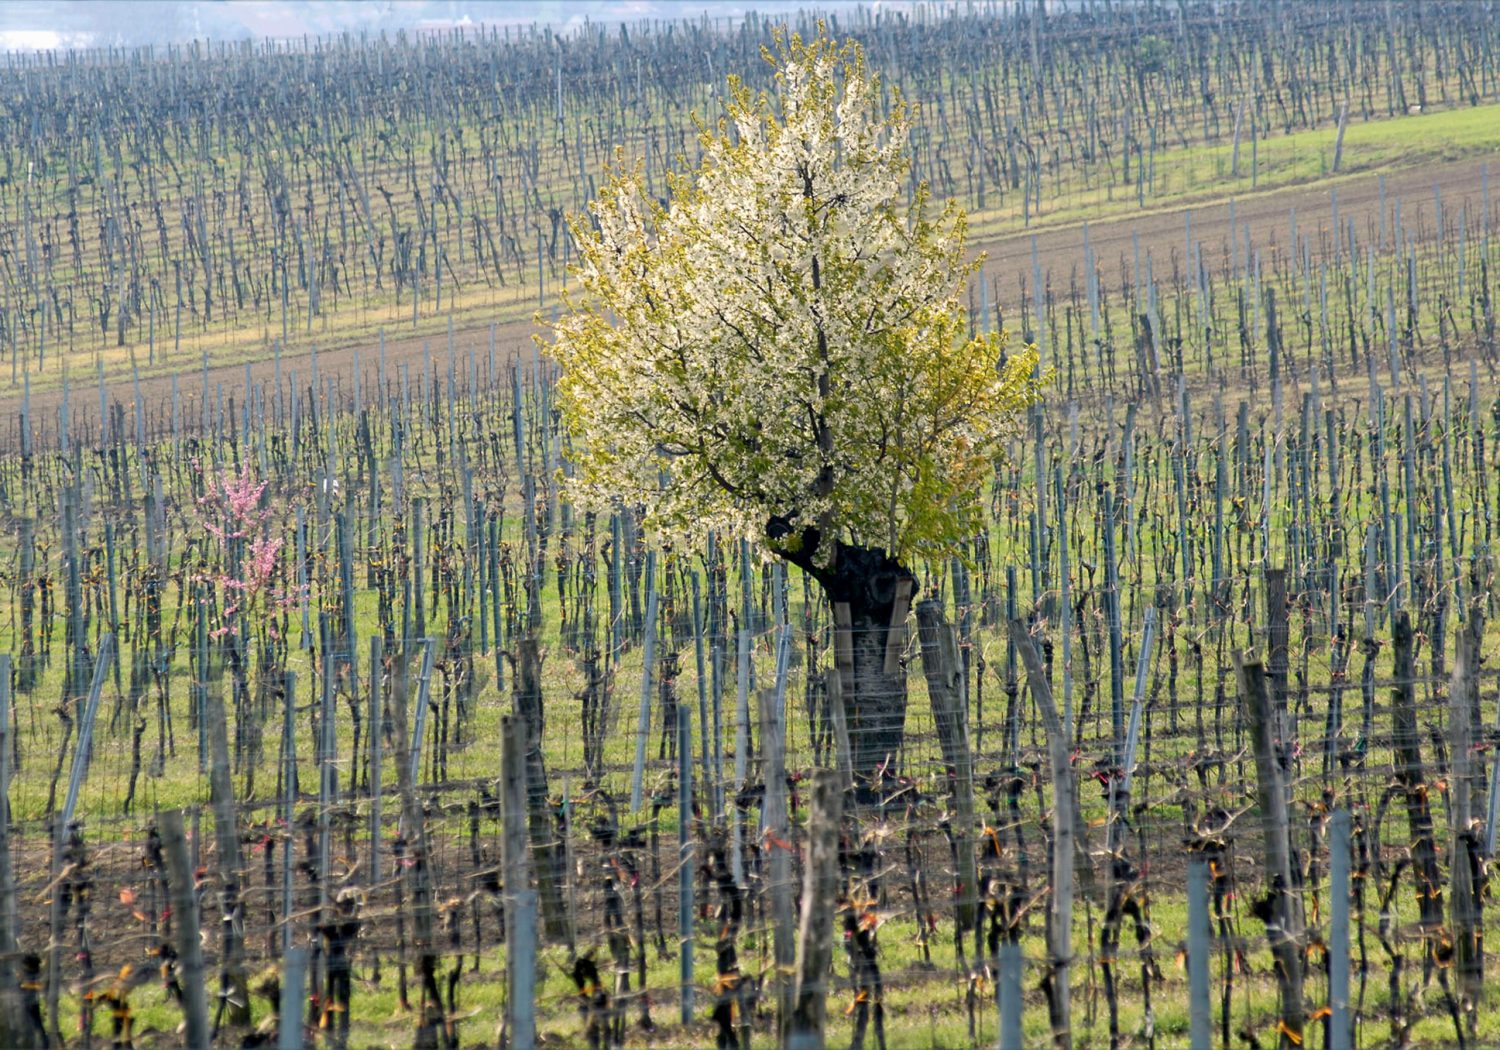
[1060, 247]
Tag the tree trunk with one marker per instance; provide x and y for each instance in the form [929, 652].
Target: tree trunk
[877, 590]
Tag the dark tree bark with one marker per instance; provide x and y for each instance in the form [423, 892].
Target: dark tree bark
[869, 581]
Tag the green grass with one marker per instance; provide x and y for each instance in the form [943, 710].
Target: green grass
[1203, 175]
[925, 1009]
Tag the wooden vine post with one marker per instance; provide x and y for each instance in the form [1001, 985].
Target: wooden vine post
[840, 684]
[1410, 775]
[1284, 925]
[520, 898]
[16, 1029]
[1064, 815]
[234, 997]
[186, 926]
[61, 827]
[776, 849]
[551, 875]
[430, 1016]
[686, 860]
[944, 675]
[1466, 868]
[819, 902]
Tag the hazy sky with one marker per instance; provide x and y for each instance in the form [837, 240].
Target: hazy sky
[32, 25]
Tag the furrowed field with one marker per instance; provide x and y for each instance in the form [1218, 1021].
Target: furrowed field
[321, 700]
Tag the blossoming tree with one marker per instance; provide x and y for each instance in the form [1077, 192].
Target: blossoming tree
[247, 526]
[780, 349]
[234, 513]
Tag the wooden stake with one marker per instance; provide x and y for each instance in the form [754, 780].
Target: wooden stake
[945, 690]
[895, 638]
[819, 900]
[185, 926]
[1284, 926]
[685, 859]
[1466, 865]
[775, 848]
[1064, 818]
[1340, 1025]
[520, 899]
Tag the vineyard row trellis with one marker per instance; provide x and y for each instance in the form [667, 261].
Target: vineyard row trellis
[623, 868]
[415, 567]
[158, 199]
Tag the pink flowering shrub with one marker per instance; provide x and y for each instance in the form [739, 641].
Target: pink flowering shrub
[231, 511]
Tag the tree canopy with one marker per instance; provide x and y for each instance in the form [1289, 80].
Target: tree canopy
[783, 338]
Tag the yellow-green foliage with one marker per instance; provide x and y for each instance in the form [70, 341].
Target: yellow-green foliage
[784, 337]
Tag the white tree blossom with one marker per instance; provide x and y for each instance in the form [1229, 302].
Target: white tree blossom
[784, 337]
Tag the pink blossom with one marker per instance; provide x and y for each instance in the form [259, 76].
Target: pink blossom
[231, 509]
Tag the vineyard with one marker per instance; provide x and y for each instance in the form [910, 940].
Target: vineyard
[166, 204]
[327, 719]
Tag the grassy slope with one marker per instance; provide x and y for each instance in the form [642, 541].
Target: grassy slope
[1202, 175]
